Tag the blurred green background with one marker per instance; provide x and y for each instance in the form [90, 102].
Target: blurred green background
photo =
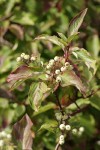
[20, 22]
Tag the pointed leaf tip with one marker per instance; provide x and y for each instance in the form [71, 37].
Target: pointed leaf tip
[76, 22]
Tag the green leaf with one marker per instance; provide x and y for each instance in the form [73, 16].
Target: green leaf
[50, 125]
[45, 108]
[80, 102]
[87, 59]
[62, 36]
[76, 23]
[37, 93]
[93, 45]
[70, 78]
[95, 101]
[70, 38]
[23, 18]
[53, 39]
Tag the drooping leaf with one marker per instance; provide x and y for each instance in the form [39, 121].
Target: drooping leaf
[17, 30]
[76, 23]
[53, 39]
[38, 92]
[22, 133]
[70, 78]
[18, 76]
[50, 125]
[87, 59]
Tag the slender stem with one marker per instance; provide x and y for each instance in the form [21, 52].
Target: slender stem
[76, 112]
[60, 107]
[77, 105]
[57, 146]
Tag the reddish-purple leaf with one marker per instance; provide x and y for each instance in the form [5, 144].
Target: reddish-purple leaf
[19, 75]
[22, 133]
[17, 31]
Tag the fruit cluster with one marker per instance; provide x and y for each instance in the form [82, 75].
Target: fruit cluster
[55, 67]
[24, 56]
[67, 127]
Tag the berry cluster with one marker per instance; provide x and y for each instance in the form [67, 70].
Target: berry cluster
[3, 137]
[25, 57]
[55, 67]
[68, 128]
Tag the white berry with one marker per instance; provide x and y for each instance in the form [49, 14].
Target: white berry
[26, 57]
[74, 131]
[81, 129]
[3, 134]
[58, 79]
[48, 66]
[1, 143]
[57, 71]
[41, 63]
[61, 142]
[33, 58]
[18, 59]
[68, 127]
[22, 55]
[47, 76]
[8, 136]
[51, 62]
[63, 68]
[66, 63]
[56, 58]
[61, 137]
[62, 127]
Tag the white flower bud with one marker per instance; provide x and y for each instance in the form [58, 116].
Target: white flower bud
[26, 57]
[18, 59]
[58, 79]
[22, 55]
[33, 58]
[74, 131]
[51, 62]
[61, 142]
[56, 58]
[62, 127]
[68, 127]
[63, 68]
[48, 66]
[57, 71]
[61, 138]
[81, 129]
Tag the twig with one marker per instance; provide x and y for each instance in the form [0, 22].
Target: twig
[75, 112]
[57, 146]
[60, 107]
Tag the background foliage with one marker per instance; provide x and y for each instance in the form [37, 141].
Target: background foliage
[20, 22]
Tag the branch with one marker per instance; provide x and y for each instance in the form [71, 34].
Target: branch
[76, 112]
